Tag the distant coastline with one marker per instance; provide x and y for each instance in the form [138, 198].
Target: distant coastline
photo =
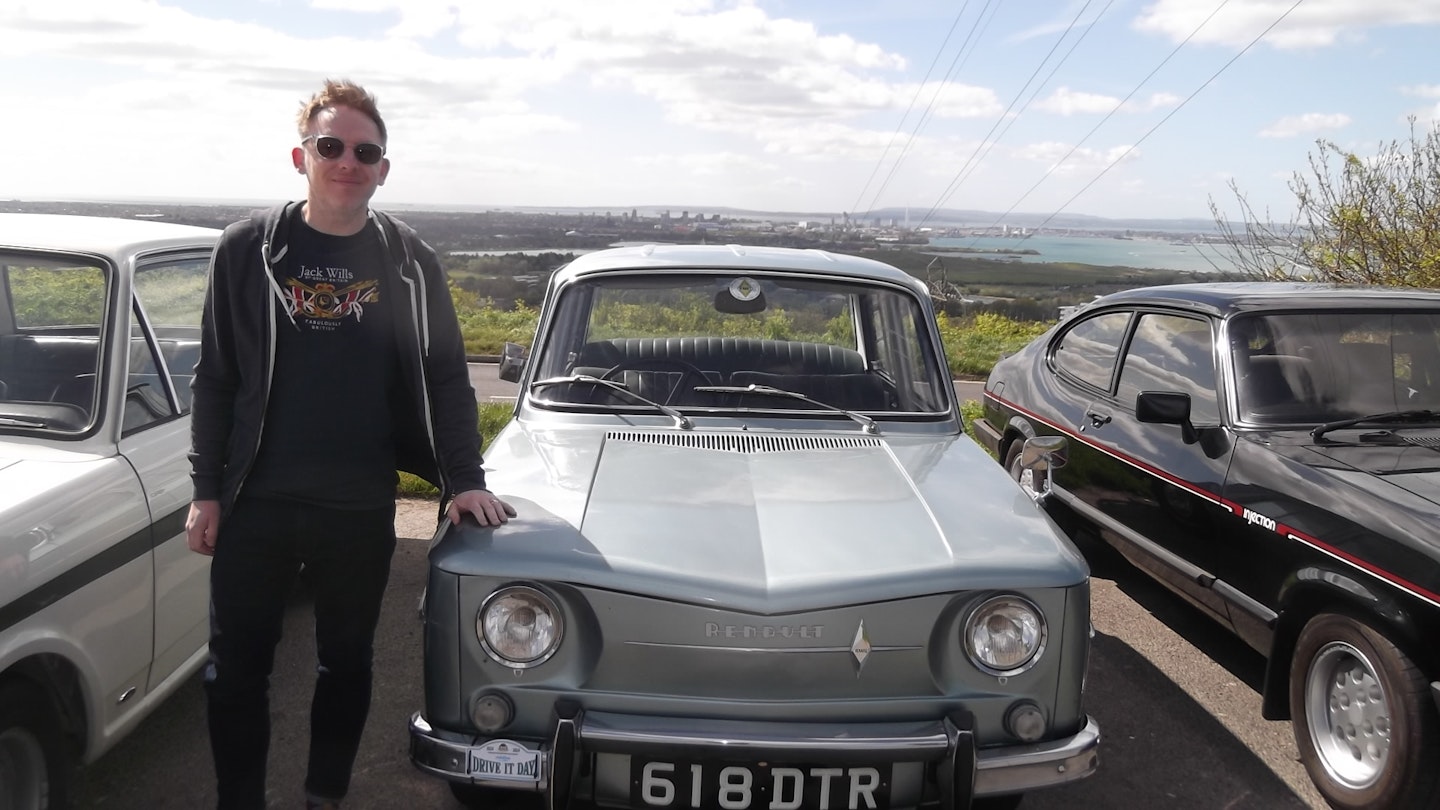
[1137, 251]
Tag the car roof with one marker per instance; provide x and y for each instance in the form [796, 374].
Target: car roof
[1227, 298]
[99, 235]
[735, 257]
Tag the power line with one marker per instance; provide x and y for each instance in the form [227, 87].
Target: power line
[918, 89]
[976, 32]
[986, 144]
[1118, 106]
[1171, 114]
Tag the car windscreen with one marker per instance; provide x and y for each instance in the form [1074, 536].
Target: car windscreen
[1324, 366]
[674, 339]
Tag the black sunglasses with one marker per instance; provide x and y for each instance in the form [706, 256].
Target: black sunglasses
[330, 148]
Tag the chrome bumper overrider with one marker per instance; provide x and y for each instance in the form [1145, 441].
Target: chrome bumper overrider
[964, 771]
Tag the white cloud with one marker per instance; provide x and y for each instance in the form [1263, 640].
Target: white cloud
[1064, 101]
[1312, 24]
[1295, 125]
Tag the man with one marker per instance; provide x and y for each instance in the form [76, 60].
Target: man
[330, 358]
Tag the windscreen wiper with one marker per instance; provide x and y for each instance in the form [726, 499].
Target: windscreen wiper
[681, 420]
[1389, 416]
[866, 423]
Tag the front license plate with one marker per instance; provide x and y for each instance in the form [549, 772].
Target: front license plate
[711, 785]
[505, 760]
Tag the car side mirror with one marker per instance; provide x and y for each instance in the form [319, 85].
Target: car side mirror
[1043, 453]
[512, 361]
[1167, 408]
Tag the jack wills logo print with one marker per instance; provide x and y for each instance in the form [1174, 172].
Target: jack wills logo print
[328, 295]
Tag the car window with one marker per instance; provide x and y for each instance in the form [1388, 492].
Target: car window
[1087, 350]
[165, 339]
[1172, 353]
[50, 320]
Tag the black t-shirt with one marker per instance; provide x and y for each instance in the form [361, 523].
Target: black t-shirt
[328, 437]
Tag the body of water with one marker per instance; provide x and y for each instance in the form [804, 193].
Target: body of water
[1099, 250]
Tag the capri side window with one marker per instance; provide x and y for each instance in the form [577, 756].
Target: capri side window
[1172, 353]
[1087, 351]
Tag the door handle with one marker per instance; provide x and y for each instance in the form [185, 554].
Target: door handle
[1096, 419]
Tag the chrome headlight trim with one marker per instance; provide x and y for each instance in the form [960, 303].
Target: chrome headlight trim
[519, 626]
[999, 617]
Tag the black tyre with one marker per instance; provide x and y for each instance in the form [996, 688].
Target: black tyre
[1367, 731]
[35, 767]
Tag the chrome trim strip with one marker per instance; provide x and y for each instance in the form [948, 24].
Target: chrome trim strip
[1232, 595]
[715, 648]
[1160, 553]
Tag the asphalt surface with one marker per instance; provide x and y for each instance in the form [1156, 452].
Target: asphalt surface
[1174, 694]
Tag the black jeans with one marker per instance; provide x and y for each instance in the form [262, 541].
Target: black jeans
[258, 554]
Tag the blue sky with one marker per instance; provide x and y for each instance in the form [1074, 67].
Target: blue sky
[1125, 108]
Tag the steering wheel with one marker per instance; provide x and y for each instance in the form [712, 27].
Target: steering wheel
[687, 371]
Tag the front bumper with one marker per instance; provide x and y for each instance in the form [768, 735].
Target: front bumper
[960, 771]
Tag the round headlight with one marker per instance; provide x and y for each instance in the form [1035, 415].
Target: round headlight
[1005, 635]
[519, 627]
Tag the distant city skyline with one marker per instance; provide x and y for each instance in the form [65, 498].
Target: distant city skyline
[1126, 109]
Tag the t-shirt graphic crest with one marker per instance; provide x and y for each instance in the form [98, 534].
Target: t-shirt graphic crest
[324, 301]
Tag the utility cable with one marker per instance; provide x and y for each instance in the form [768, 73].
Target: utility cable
[1118, 106]
[918, 90]
[985, 144]
[976, 32]
[1169, 115]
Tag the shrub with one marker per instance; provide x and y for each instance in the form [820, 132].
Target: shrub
[973, 344]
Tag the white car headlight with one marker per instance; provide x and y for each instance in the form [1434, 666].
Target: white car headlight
[1005, 635]
[519, 627]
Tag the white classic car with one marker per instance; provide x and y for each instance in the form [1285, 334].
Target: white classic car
[757, 564]
[103, 609]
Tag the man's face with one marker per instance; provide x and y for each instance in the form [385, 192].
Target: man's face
[344, 183]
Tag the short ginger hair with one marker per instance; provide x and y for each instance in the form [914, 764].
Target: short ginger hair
[342, 93]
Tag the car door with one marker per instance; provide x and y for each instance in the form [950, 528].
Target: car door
[168, 293]
[1153, 488]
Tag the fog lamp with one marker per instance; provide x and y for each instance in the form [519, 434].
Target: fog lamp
[1025, 721]
[492, 711]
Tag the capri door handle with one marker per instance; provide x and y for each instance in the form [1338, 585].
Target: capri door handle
[1097, 419]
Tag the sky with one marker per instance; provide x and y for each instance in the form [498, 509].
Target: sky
[1108, 108]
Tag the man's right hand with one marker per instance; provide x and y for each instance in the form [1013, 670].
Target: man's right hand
[202, 526]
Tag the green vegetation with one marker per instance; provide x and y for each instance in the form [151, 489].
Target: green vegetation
[973, 343]
[1358, 219]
